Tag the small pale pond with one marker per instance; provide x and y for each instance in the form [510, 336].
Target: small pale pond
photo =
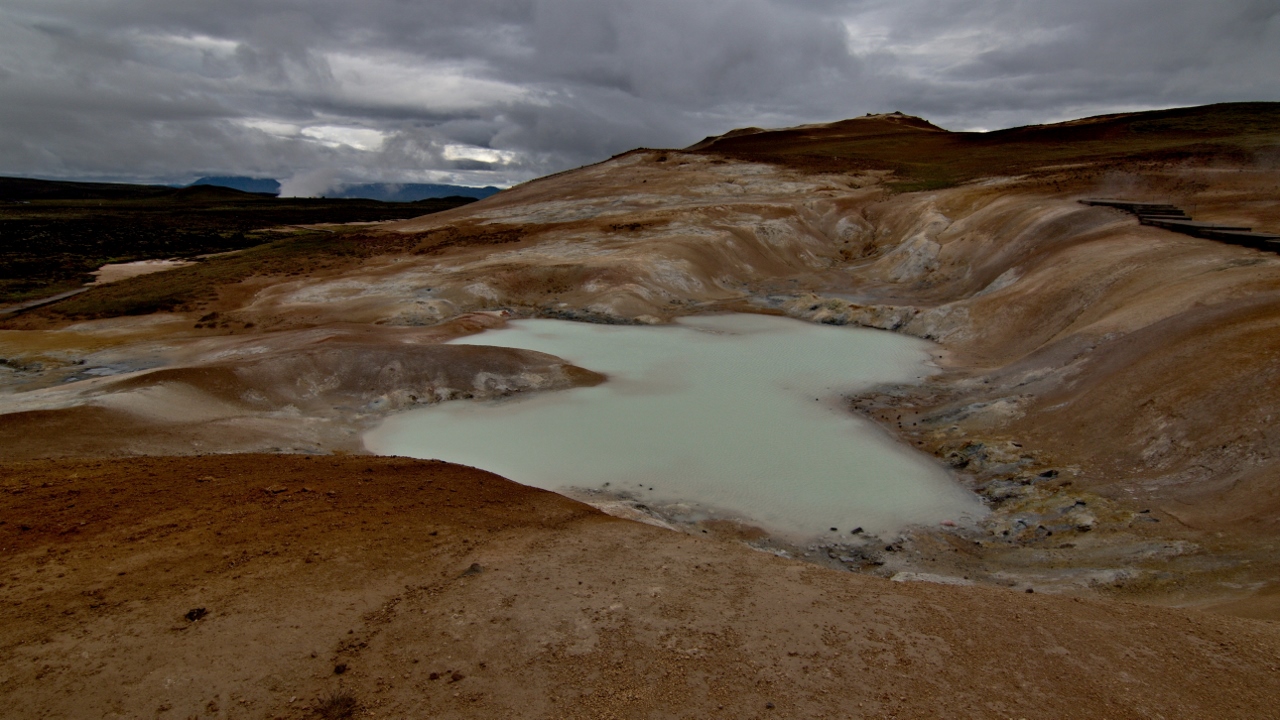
[735, 414]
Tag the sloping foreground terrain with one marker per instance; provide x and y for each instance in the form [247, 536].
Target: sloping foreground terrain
[1108, 388]
[256, 586]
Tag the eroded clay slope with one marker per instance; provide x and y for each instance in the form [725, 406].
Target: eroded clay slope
[289, 391]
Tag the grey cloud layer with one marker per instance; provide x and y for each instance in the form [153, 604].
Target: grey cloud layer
[496, 91]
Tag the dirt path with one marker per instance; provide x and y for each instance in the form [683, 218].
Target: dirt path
[40, 302]
[421, 589]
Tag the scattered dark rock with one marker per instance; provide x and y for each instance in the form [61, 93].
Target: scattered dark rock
[195, 614]
[339, 668]
[475, 569]
[856, 531]
[768, 706]
[456, 677]
[434, 676]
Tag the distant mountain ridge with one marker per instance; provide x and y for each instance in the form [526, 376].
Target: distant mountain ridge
[243, 184]
[386, 192]
[19, 189]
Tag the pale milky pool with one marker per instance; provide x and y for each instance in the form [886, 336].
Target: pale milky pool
[737, 414]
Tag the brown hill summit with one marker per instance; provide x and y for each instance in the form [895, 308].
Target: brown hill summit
[925, 156]
[813, 138]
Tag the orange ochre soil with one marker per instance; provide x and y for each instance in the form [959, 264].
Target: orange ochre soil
[291, 586]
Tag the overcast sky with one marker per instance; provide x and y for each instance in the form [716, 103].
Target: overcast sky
[478, 92]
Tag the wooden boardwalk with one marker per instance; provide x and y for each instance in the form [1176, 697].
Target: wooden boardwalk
[1171, 217]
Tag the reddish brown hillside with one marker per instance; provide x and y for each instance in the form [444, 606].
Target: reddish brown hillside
[923, 155]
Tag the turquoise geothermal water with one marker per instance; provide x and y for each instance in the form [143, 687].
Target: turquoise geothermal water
[731, 414]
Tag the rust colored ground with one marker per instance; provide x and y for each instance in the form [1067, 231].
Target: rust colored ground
[423, 589]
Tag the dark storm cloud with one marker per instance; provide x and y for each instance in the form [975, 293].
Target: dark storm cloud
[494, 91]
